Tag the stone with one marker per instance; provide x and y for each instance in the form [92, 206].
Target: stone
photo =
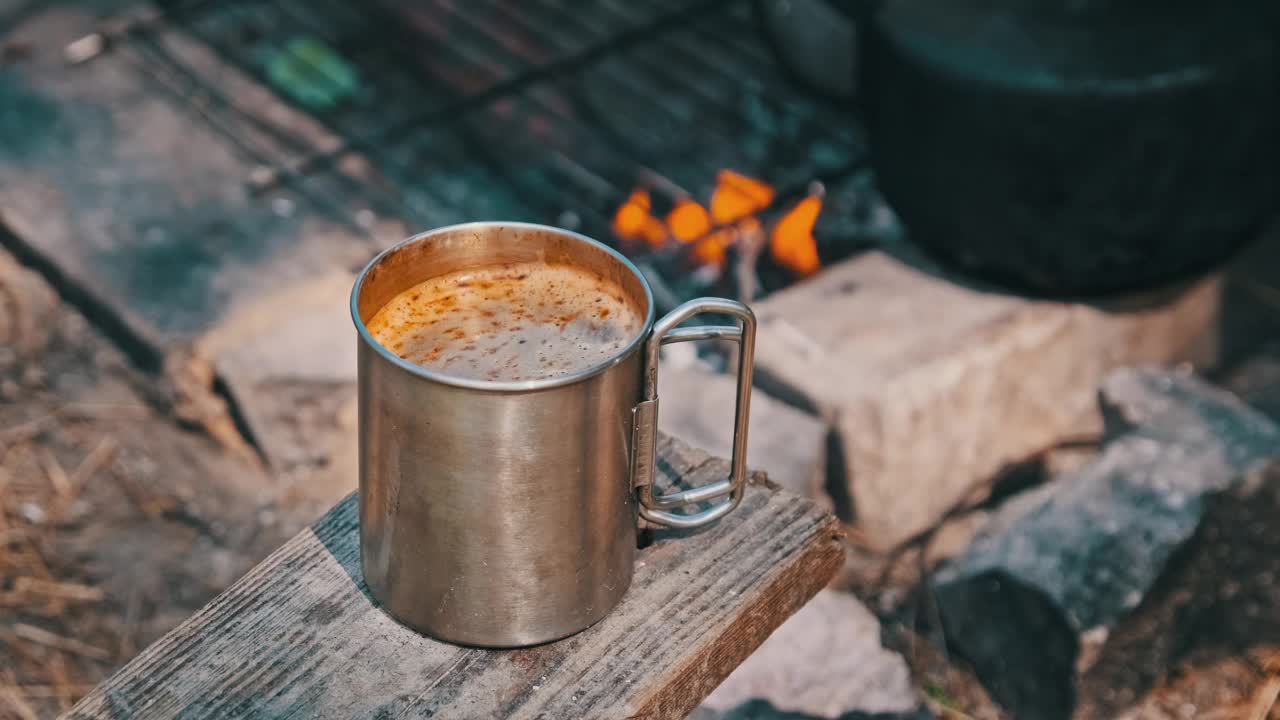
[1080, 552]
[786, 443]
[1208, 631]
[298, 331]
[287, 359]
[825, 661]
[933, 387]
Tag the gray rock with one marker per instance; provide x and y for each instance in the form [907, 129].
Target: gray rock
[824, 661]
[788, 444]
[1078, 553]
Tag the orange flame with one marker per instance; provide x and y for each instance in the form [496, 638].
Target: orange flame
[736, 196]
[633, 220]
[713, 249]
[688, 221]
[792, 243]
[735, 201]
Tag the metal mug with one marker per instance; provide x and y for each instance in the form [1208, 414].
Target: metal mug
[504, 513]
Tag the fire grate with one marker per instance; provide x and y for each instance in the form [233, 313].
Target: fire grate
[543, 111]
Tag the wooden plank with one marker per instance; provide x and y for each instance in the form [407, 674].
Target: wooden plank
[934, 387]
[299, 636]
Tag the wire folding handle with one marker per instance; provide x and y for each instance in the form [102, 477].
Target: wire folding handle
[644, 437]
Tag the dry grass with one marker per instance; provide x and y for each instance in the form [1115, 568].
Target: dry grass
[62, 502]
[115, 523]
[55, 625]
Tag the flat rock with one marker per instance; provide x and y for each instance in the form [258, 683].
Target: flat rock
[90, 187]
[825, 661]
[178, 260]
[299, 331]
[786, 443]
[288, 360]
[934, 387]
[1075, 555]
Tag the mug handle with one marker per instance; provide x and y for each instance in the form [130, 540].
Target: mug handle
[644, 428]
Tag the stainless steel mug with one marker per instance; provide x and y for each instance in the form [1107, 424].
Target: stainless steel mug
[504, 513]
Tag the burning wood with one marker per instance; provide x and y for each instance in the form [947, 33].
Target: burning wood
[737, 196]
[735, 201]
[733, 213]
[633, 221]
[688, 221]
[750, 242]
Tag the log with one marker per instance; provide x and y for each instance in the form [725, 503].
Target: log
[934, 387]
[299, 636]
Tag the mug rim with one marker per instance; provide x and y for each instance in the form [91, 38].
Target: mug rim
[503, 385]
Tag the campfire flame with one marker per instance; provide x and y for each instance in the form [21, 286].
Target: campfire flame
[734, 202]
[634, 221]
[792, 244]
[736, 196]
[688, 221]
[731, 214]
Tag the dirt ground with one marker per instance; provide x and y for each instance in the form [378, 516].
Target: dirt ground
[116, 522]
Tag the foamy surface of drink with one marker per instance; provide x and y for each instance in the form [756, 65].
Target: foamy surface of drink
[521, 321]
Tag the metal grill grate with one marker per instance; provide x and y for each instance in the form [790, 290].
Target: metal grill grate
[544, 111]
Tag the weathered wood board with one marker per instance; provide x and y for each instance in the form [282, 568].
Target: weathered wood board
[298, 636]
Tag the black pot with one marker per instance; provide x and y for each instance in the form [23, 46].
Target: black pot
[1075, 147]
